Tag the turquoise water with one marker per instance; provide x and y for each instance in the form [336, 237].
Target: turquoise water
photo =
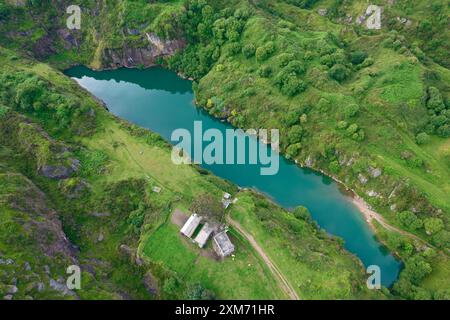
[161, 101]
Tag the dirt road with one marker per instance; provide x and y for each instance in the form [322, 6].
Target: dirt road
[282, 281]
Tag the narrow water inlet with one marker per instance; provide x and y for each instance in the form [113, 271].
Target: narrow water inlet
[159, 100]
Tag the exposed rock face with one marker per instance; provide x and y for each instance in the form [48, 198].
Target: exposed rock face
[362, 179]
[42, 223]
[309, 161]
[145, 56]
[68, 39]
[43, 47]
[53, 161]
[371, 19]
[322, 11]
[37, 225]
[372, 193]
[375, 172]
[151, 284]
[56, 172]
[59, 285]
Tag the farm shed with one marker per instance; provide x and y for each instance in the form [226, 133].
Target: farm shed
[203, 235]
[191, 225]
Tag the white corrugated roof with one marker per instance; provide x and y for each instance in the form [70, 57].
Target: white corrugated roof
[203, 235]
[190, 225]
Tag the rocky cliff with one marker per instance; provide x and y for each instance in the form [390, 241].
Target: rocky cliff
[141, 57]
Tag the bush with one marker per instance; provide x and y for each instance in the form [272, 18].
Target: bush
[265, 71]
[422, 138]
[433, 225]
[4, 11]
[263, 53]
[410, 220]
[293, 150]
[339, 72]
[353, 128]
[334, 167]
[295, 67]
[358, 57]
[295, 134]
[198, 292]
[284, 59]
[234, 48]
[434, 100]
[249, 50]
[302, 213]
[342, 125]
[368, 62]
[28, 93]
[292, 86]
[351, 110]
[3, 111]
[416, 269]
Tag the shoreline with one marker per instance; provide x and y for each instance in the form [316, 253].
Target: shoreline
[363, 207]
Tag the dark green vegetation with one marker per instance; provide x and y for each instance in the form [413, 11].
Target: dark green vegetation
[370, 107]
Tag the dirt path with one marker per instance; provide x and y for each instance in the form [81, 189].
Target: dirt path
[371, 215]
[282, 281]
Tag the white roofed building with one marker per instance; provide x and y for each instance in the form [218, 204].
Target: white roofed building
[203, 235]
[191, 225]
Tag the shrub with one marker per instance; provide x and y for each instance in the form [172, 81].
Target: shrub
[334, 167]
[292, 86]
[368, 62]
[435, 101]
[358, 57]
[234, 48]
[353, 128]
[351, 110]
[265, 71]
[264, 52]
[293, 150]
[304, 118]
[249, 50]
[410, 220]
[284, 59]
[295, 67]
[295, 134]
[339, 72]
[433, 225]
[416, 269]
[220, 67]
[422, 138]
[342, 125]
[3, 111]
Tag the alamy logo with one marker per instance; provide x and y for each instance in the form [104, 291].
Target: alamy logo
[231, 148]
[374, 280]
[74, 280]
[74, 20]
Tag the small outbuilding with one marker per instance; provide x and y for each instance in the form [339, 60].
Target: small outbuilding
[191, 225]
[222, 244]
[204, 234]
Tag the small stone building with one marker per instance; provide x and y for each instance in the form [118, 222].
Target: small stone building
[222, 244]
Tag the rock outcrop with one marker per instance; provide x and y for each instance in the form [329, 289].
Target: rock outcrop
[141, 57]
